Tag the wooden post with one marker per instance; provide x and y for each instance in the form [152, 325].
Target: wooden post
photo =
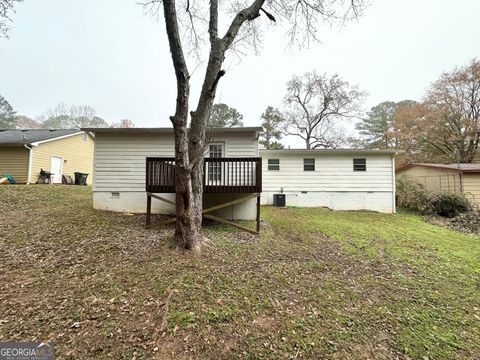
[149, 208]
[258, 213]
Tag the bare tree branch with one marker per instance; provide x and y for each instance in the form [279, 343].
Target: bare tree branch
[315, 103]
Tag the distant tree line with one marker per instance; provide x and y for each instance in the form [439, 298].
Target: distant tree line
[444, 126]
[60, 117]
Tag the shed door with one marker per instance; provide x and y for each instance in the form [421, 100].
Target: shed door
[57, 169]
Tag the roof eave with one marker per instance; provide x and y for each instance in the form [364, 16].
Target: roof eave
[164, 130]
[334, 151]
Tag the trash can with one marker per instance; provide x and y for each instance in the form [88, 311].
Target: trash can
[279, 200]
[80, 178]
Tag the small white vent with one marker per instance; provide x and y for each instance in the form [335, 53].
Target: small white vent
[115, 194]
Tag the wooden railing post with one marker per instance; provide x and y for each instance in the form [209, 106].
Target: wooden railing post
[149, 209]
[258, 213]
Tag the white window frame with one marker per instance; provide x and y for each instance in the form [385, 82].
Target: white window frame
[309, 164]
[277, 165]
[214, 172]
[359, 170]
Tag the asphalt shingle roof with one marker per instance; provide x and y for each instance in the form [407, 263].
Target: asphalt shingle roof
[20, 137]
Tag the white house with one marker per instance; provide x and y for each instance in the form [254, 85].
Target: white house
[121, 180]
[131, 165]
[347, 179]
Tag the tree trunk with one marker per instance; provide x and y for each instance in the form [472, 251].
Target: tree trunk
[190, 144]
[188, 208]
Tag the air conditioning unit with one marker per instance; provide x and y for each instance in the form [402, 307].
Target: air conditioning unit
[279, 200]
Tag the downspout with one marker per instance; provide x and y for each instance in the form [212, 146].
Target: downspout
[29, 176]
[460, 176]
[394, 186]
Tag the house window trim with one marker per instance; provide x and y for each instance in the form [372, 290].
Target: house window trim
[363, 166]
[222, 144]
[278, 165]
[304, 169]
[215, 171]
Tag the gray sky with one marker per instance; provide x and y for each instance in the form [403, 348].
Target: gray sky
[108, 54]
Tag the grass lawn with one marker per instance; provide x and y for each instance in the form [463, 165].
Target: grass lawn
[316, 284]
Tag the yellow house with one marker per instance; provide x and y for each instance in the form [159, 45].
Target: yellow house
[463, 178]
[24, 153]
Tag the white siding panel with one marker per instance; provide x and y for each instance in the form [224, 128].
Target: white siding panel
[332, 173]
[119, 161]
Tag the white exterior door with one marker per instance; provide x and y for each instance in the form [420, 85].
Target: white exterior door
[56, 169]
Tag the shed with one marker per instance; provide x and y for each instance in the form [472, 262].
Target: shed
[23, 153]
[462, 178]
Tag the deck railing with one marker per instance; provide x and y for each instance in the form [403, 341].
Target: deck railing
[221, 175]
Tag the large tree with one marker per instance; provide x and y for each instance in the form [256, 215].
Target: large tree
[454, 101]
[7, 114]
[446, 125]
[24, 122]
[223, 116]
[6, 11]
[272, 120]
[377, 129]
[74, 116]
[316, 105]
[228, 25]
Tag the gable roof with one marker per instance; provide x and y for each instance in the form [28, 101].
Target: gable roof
[454, 167]
[25, 137]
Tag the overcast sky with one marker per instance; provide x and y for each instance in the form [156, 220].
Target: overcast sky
[108, 54]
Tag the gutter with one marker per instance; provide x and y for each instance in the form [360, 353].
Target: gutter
[29, 176]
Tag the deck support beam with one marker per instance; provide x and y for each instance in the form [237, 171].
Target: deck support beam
[206, 211]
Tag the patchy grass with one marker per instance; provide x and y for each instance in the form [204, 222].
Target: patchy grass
[315, 284]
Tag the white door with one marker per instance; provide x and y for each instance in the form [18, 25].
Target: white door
[57, 169]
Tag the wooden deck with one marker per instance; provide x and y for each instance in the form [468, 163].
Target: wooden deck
[221, 175]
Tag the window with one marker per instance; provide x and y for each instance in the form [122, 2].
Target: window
[215, 169]
[216, 150]
[308, 164]
[359, 164]
[273, 164]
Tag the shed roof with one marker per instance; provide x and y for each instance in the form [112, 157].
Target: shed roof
[455, 167]
[23, 137]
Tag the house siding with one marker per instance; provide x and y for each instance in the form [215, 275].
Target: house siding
[476, 157]
[433, 179]
[119, 166]
[471, 186]
[438, 180]
[14, 161]
[119, 161]
[333, 183]
[76, 151]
